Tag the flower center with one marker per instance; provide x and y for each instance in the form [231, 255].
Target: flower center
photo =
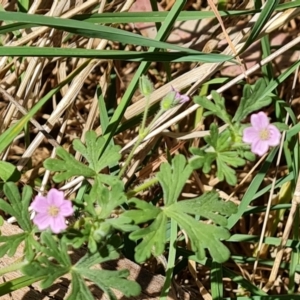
[264, 134]
[53, 210]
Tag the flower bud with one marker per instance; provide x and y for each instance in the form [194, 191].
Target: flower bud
[172, 99]
[168, 101]
[146, 86]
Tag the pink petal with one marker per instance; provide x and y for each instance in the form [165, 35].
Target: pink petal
[184, 98]
[40, 204]
[55, 197]
[178, 97]
[275, 135]
[42, 221]
[58, 224]
[260, 147]
[250, 135]
[259, 121]
[66, 209]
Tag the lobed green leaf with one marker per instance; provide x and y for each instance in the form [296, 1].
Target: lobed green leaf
[254, 98]
[67, 166]
[207, 205]
[173, 178]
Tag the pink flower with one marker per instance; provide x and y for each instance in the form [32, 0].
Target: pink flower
[51, 211]
[261, 135]
[179, 98]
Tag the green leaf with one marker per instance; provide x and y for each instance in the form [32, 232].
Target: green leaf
[18, 206]
[122, 223]
[281, 126]
[212, 139]
[202, 159]
[263, 18]
[218, 109]
[9, 172]
[102, 255]
[231, 158]
[225, 172]
[249, 155]
[105, 279]
[202, 236]
[54, 263]
[18, 283]
[93, 149]
[219, 150]
[149, 211]
[254, 98]
[55, 248]
[51, 271]
[206, 103]
[209, 206]
[224, 161]
[10, 244]
[109, 199]
[79, 290]
[153, 238]
[135, 56]
[91, 30]
[112, 279]
[68, 166]
[173, 178]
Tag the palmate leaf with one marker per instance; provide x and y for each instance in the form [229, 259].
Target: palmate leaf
[50, 270]
[53, 269]
[202, 236]
[173, 178]
[92, 150]
[18, 205]
[208, 206]
[105, 198]
[67, 166]
[224, 161]
[104, 279]
[220, 150]
[9, 244]
[154, 236]
[55, 248]
[153, 239]
[254, 98]
[79, 290]
[217, 108]
[109, 199]
[202, 159]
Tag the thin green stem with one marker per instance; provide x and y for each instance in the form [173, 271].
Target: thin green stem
[142, 134]
[143, 125]
[171, 261]
[13, 267]
[156, 118]
[142, 187]
[129, 157]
